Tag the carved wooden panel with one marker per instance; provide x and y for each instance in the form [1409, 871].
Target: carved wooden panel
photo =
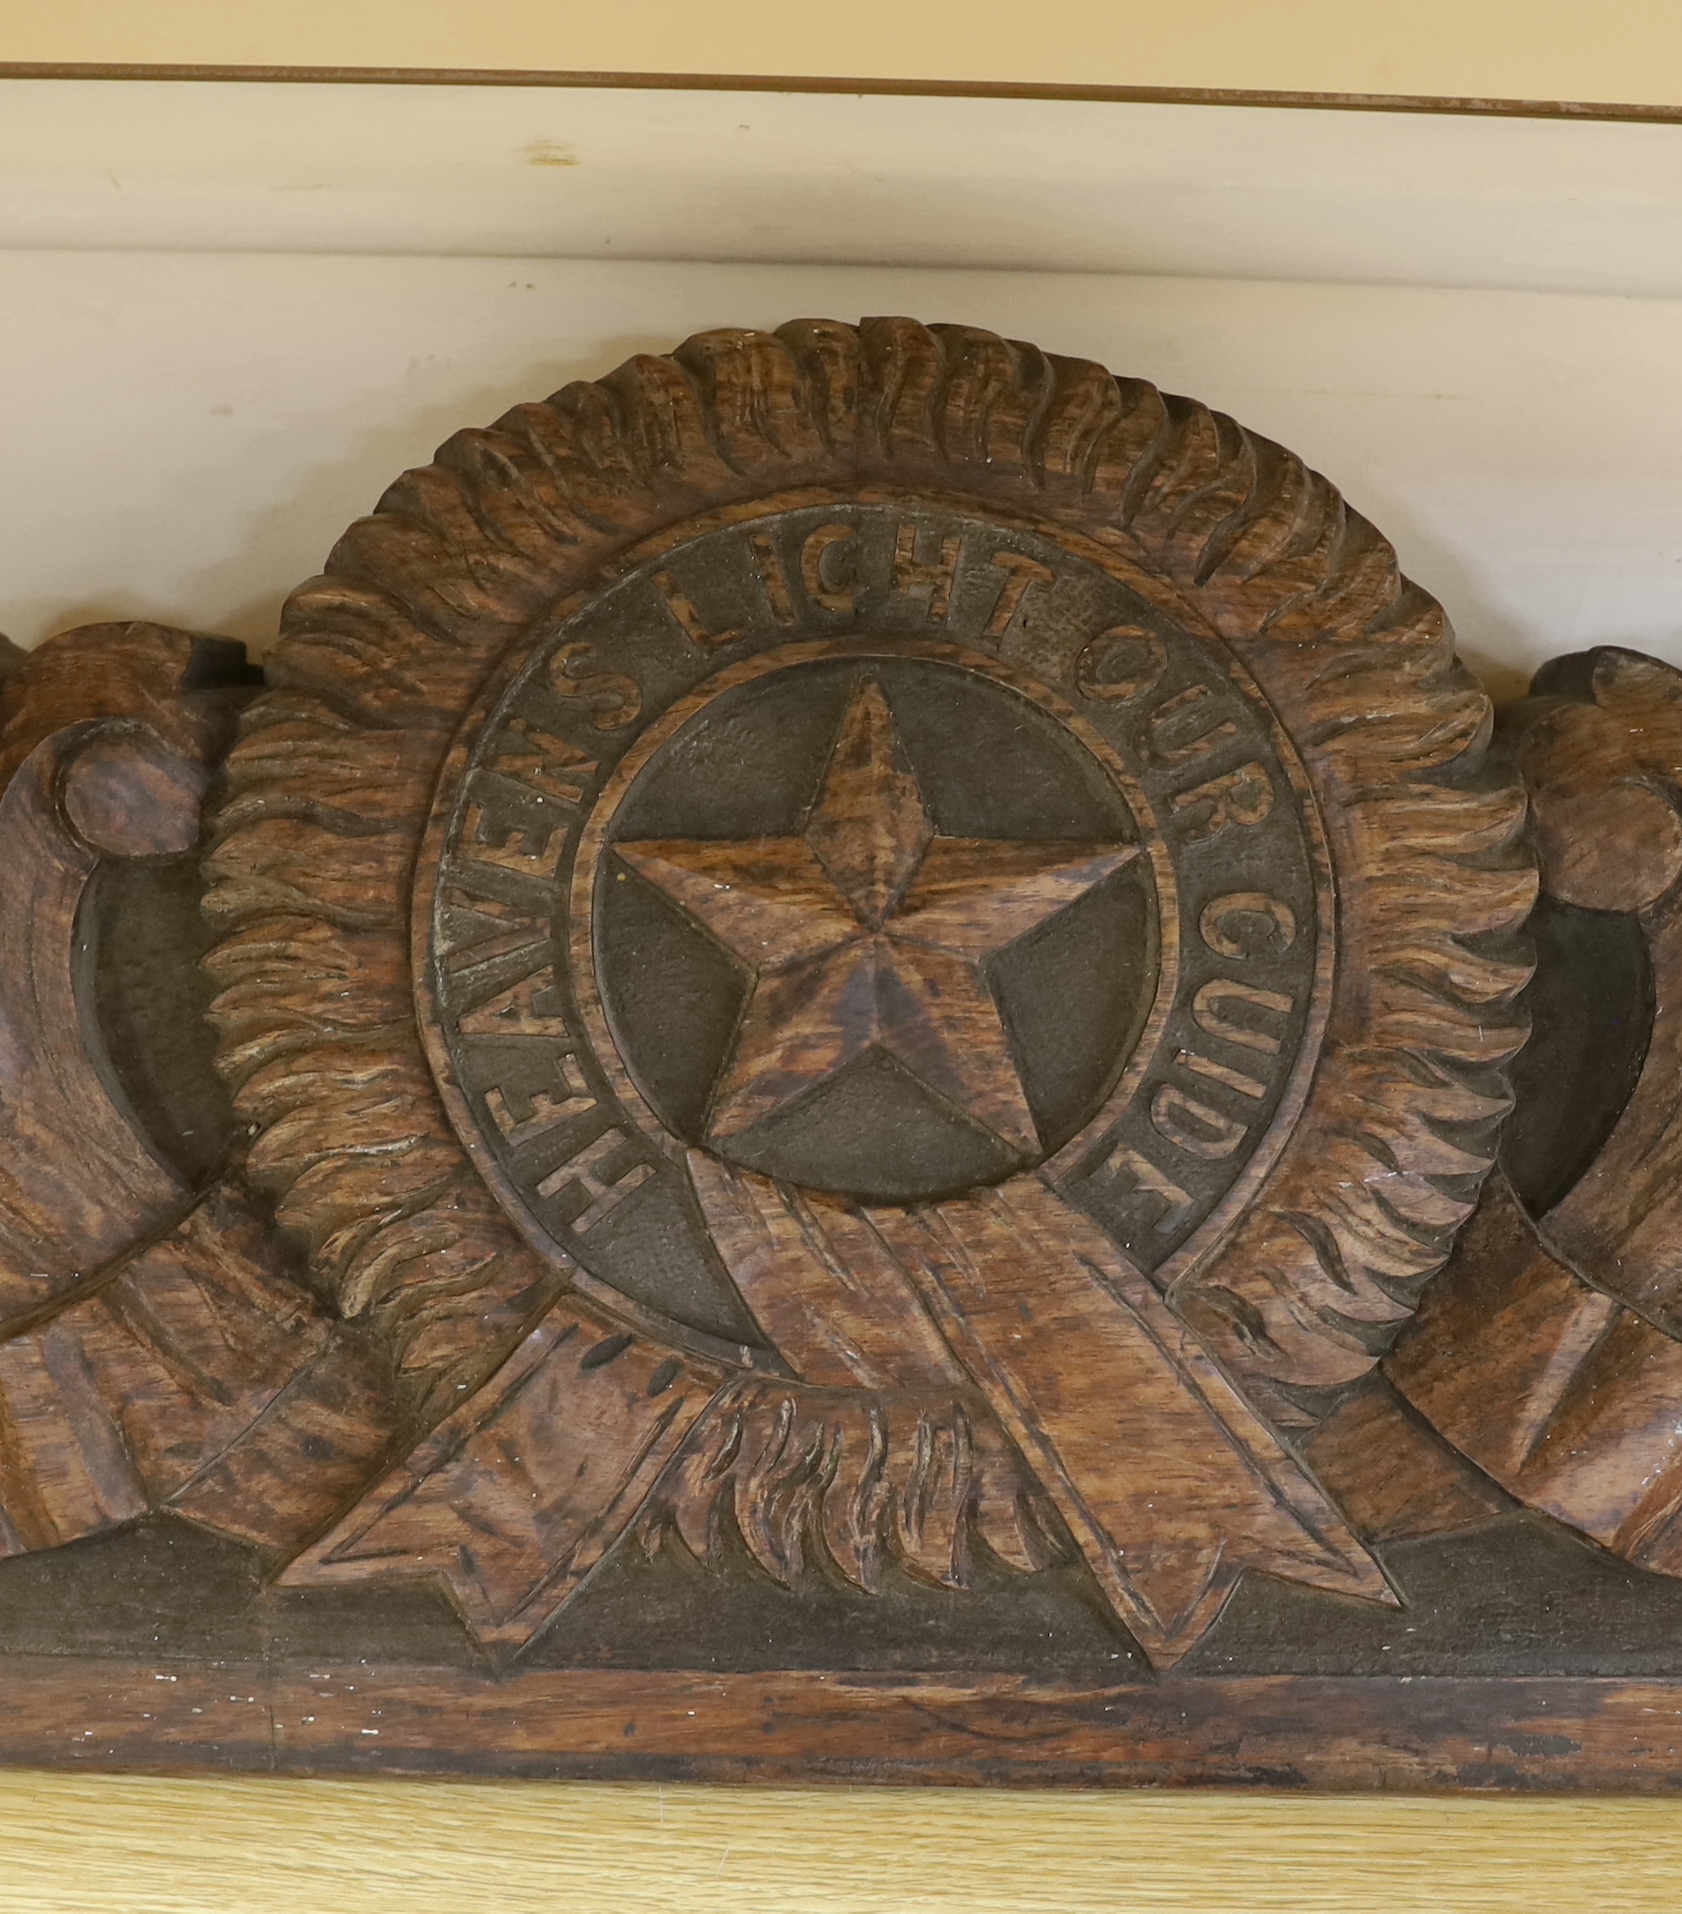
[814, 1083]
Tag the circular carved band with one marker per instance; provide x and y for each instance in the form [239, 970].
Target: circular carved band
[1222, 534]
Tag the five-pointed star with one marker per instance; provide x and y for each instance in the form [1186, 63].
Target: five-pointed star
[869, 931]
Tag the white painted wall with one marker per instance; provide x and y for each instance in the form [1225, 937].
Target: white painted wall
[1030, 185]
[184, 432]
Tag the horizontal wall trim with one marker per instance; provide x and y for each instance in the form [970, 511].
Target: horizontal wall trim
[1026, 185]
[807, 83]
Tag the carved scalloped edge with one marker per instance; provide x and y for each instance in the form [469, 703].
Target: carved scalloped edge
[330, 787]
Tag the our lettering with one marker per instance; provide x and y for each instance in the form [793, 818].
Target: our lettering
[544, 1111]
[1171, 739]
[581, 1171]
[543, 763]
[773, 577]
[820, 558]
[1020, 572]
[1190, 1125]
[614, 700]
[1148, 1180]
[1210, 1014]
[916, 576]
[1229, 925]
[513, 1011]
[1120, 664]
[1243, 797]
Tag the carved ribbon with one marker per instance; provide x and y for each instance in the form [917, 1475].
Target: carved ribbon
[1168, 1482]
[921, 1337]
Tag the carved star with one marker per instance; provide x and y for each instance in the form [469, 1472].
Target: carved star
[869, 932]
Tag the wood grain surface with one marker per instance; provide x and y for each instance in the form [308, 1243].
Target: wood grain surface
[76, 1843]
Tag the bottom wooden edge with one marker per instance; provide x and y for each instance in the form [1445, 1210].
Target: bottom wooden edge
[1285, 1732]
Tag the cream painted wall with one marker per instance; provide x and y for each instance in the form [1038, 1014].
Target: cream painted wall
[1229, 192]
[185, 434]
[1615, 50]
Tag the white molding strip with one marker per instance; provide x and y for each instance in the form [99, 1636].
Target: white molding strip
[991, 183]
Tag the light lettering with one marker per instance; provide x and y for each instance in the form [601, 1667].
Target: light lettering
[542, 763]
[1209, 1013]
[543, 1111]
[1148, 1180]
[480, 929]
[615, 700]
[527, 850]
[818, 558]
[1244, 796]
[928, 579]
[513, 1011]
[1020, 573]
[1246, 1086]
[1120, 664]
[1172, 741]
[1277, 933]
[689, 621]
[581, 1171]
[773, 577]
[1190, 1125]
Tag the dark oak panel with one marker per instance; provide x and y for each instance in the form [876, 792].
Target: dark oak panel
[836, 1113]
